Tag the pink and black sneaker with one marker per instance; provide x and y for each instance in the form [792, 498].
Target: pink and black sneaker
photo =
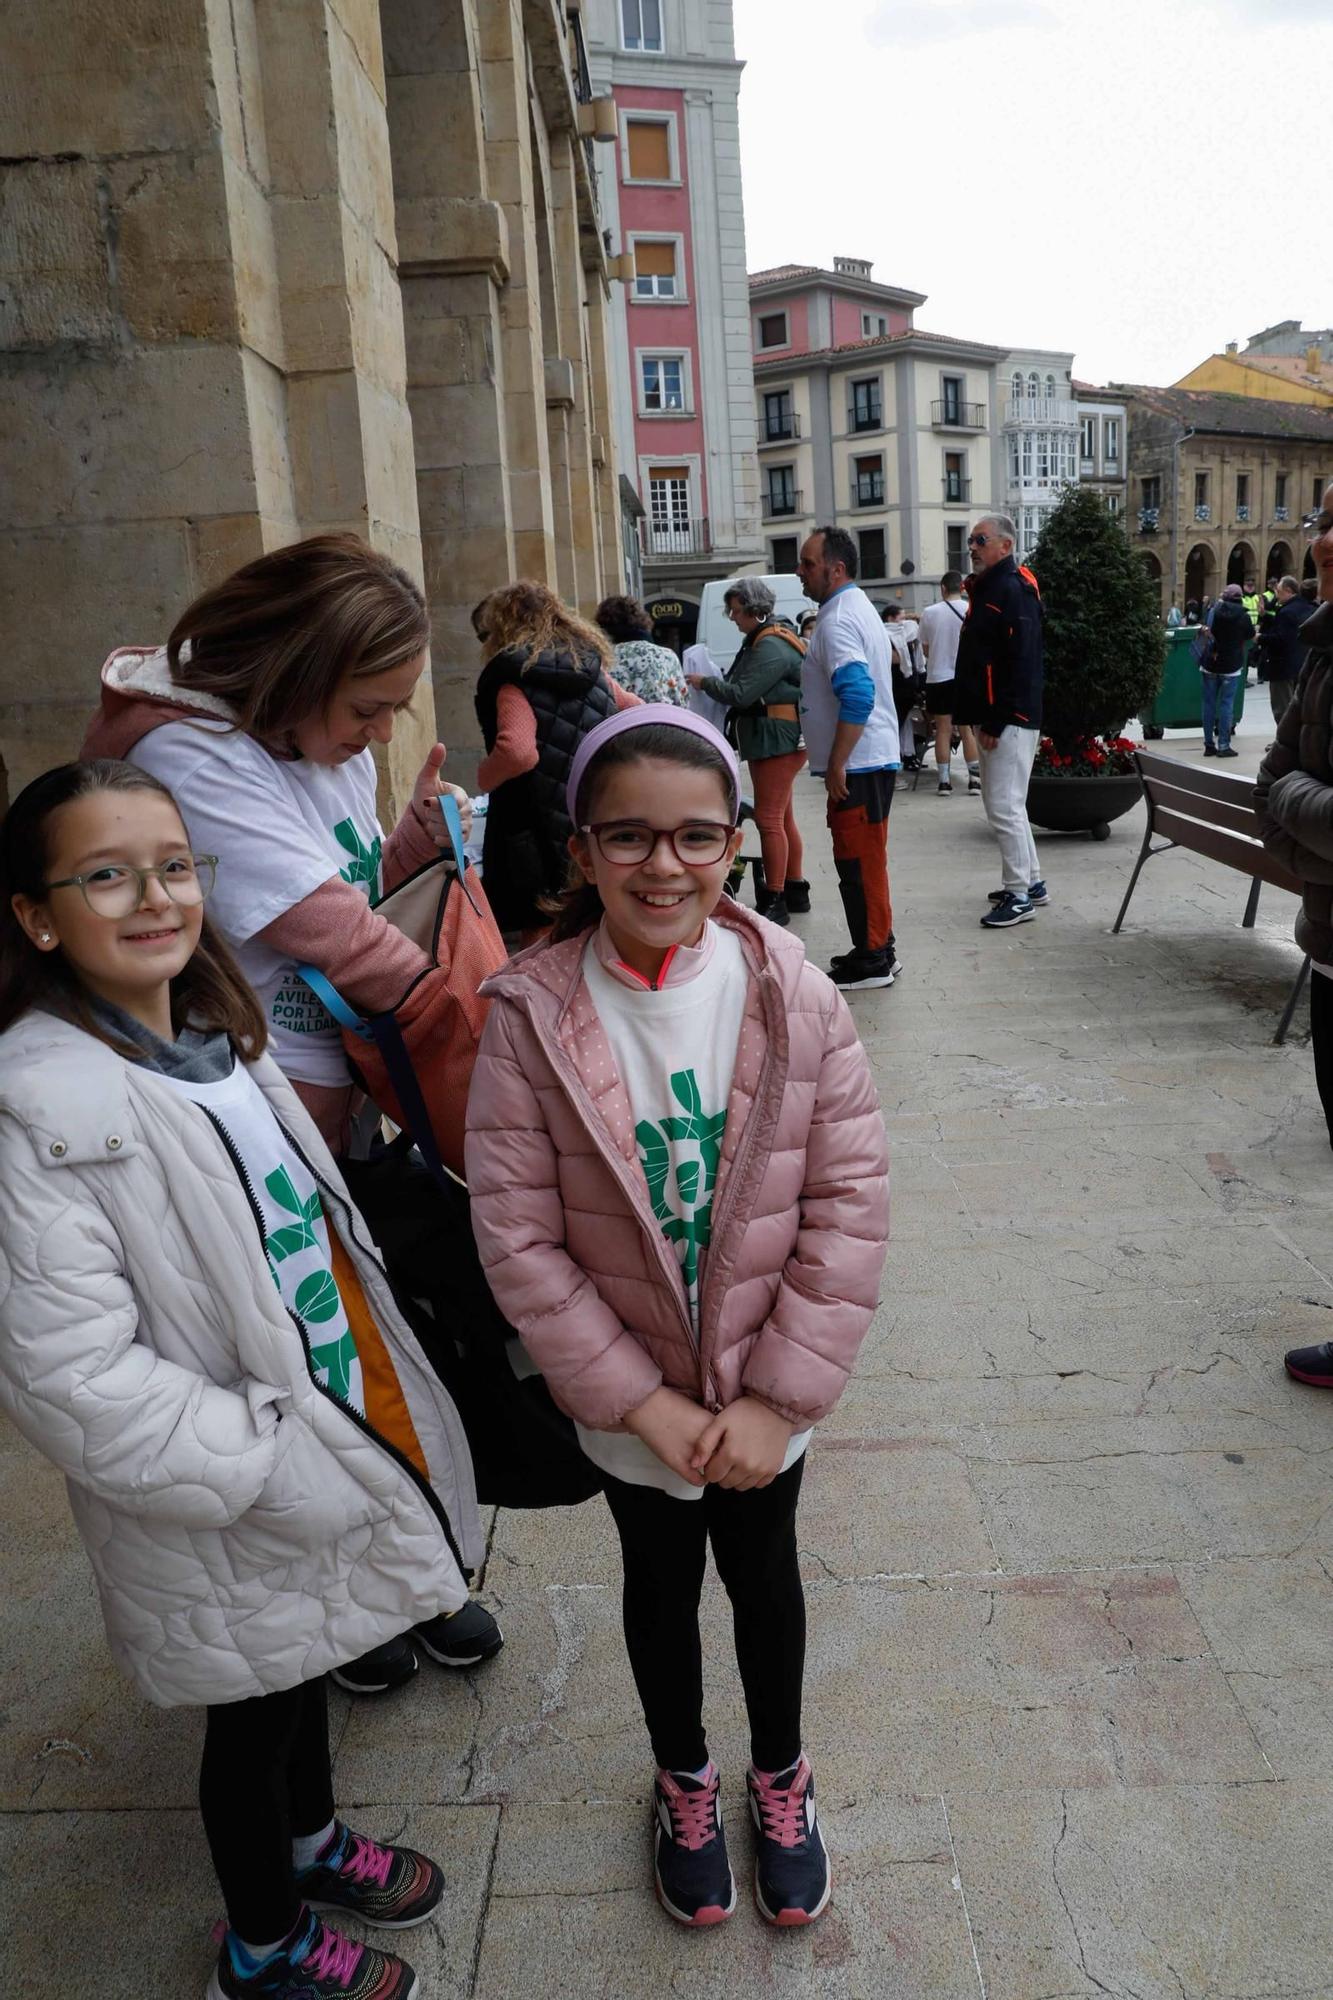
[391, 1888]
[792, 1882]
[314, 1963]
[691, 1871]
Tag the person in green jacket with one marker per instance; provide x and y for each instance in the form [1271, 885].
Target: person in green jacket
[762, 689]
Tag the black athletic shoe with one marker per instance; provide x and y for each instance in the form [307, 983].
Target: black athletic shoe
[461, 1639]
[1225, 750]
[1038, 893]
[858, 971]
[1210, 749]
[1311, 1364]
[380, 1670]
[792, 1881]
[796, 895]
[691, 1872]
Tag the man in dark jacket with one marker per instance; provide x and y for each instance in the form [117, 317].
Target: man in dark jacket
[997, 687]
[1284, 647]
[1232, 629]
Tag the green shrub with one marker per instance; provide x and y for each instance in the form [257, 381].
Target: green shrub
[1104, 645]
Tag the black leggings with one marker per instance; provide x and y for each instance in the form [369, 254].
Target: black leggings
[1321, 1041]
[664, 1542]
[265, 1780]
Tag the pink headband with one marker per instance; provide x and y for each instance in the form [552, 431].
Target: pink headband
[648, 715]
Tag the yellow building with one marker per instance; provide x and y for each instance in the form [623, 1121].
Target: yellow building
[1276, 378]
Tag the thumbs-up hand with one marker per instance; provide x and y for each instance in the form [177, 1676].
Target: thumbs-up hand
[426, 794]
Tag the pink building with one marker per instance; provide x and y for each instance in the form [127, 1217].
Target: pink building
[671, 193]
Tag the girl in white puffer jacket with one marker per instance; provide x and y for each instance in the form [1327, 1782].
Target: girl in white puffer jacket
[266, 1473]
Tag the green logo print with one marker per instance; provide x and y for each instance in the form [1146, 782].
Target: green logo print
[317, 1296]
[685, 1209]
[298, 1235]
[364, 865]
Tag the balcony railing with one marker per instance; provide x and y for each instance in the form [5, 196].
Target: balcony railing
[1281, 514]
[1148, 519]
[1242, 511]
[951, 416]
[782, 503]
[956, 490]
[869, 491]
[1041, 413]
[779, 430]
[664, 542]
[1202, 511]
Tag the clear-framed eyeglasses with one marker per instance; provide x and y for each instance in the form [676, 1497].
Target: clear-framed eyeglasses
[117, 890]
[629, 842]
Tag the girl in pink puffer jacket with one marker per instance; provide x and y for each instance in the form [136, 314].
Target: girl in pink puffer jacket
[680, 1192]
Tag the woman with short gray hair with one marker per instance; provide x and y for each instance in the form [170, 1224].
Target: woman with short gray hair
[762, 693]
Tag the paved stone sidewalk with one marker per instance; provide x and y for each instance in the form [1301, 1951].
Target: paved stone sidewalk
[1067, 1542]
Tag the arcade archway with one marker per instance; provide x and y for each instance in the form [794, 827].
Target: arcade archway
[1242, 564]
[1281, 562]
[1200, 573]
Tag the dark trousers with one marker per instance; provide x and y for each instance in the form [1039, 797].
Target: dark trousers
[860, 828]
[265, 1780]
[1321, 1041]
[664, 1543]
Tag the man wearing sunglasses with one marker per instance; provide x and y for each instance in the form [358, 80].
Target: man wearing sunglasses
[997, 688]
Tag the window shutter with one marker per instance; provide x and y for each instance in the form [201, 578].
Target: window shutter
[649, 150]
[654, 260]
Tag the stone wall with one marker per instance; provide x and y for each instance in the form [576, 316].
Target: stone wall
[272, 269]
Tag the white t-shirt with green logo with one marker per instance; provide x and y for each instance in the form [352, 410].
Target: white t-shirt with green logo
[279, 828]
[675, 1053]
[298, 1235]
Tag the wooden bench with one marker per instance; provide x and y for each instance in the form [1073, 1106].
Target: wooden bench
[1212, 813]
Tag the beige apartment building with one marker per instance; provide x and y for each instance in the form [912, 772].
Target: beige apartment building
[272, 270]
[871, 424]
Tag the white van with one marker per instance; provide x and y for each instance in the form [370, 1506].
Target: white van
[716, 630]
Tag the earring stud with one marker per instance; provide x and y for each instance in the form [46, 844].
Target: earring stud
[46, 937]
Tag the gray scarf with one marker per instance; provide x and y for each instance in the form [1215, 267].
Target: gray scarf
[196, 1056]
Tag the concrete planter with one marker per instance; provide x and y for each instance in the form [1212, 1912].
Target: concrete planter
[1081, 805]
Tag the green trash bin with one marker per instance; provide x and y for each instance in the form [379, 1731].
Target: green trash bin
[1179, 700]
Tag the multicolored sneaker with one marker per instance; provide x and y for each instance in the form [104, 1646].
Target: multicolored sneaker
[390, 1888]
[792, 1882]
[314, 1964]
[691, 1871]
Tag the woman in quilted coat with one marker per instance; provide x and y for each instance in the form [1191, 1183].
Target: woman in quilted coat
[193, 1328]
[680, 1193]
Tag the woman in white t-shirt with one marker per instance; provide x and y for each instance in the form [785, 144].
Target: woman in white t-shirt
[259, 713]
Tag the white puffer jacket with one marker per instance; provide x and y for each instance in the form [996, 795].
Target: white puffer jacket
[247, 1532]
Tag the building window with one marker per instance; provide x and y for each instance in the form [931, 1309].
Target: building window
[1050, 386]
[873, 324]
[868, 481]
[1111, 440]
[955, 546]
[864, 414]
[782, 489]
[785, 550]
[955, 482]
[773, 330]
[648, 150]
[779, 420]
[874, 560]
[1087, 440]
[663, 382]
[1043, 457]
[1317, 497]
[1013, 458]
[669, 507]
[951, 398]
[641, 25]
[1034, 386]
[1113, 504]
[1152, 491]
[1016, 387]
[1242, 496]
[655, 275]
[1027, 458]
[1280, 491]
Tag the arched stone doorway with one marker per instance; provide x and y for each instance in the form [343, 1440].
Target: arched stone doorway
[1281, 562]
[1242, 564]
[1307, 568]
[1154, 569]
[1200, 573]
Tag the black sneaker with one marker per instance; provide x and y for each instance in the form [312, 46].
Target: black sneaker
[380, 1670]
[774, 907]
[1311, 1364]
[974, 784]
[1009, 910]
[792, 1882]
[691, 1871]
[856, 971]
[1225, 750]
[796, 895]
[1038, 893]
[315, 1963]
[391, 1888]
[461, 1638]
[1210, 750]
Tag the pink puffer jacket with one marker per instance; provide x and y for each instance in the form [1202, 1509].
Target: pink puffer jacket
[574, 1254]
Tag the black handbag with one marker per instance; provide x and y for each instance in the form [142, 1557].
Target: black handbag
[525, 1451]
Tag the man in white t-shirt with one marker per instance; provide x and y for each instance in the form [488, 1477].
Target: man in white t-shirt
[851, 736]
[941, 625]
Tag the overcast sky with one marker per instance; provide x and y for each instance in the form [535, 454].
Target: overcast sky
[1138, 180]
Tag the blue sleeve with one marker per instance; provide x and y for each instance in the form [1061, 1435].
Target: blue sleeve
[855, 691]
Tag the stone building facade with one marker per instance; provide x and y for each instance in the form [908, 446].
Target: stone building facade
[1220, 487]
[271, 270]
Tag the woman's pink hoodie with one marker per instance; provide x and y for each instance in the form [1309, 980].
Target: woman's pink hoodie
[575, 1257]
